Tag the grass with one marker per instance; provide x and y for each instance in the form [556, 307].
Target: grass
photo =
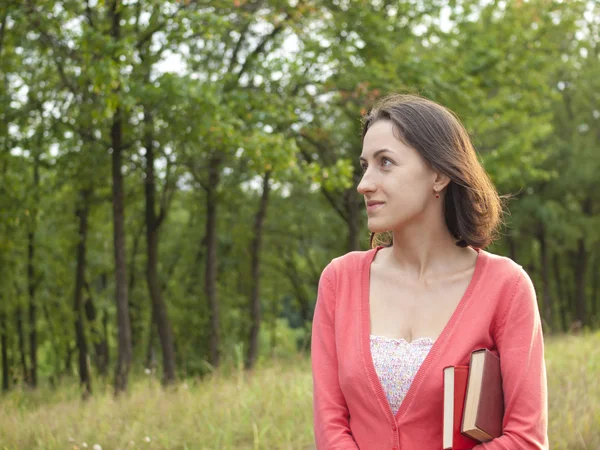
[573, 368]
[270, 409]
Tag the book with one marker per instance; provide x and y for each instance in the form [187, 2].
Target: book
[455, 386]
[484, 401]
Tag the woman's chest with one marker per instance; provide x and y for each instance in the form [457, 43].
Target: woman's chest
[409, 311]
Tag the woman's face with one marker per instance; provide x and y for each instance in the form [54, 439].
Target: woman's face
[396, 177]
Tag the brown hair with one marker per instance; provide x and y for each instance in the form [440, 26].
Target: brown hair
[472, 207]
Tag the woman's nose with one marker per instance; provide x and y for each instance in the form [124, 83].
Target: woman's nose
[365, 185]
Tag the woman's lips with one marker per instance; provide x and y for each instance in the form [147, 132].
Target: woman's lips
[374, 207]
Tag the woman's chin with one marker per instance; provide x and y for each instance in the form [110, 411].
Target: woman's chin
[381, 226]
[377, 228]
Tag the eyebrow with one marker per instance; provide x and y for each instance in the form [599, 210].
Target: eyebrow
[377, 153]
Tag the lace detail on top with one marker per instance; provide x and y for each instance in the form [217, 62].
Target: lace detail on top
[396, 362]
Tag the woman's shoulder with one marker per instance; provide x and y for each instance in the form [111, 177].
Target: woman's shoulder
[348, 263]
[505, 269]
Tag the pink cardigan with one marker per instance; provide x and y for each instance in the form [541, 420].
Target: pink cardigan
[498, 311]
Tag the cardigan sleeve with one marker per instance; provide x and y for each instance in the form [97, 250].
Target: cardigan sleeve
[521, 348]
[330, 411]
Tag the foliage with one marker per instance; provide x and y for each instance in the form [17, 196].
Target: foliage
[272, 88]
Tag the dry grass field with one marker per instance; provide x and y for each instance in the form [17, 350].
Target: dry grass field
[271, 409]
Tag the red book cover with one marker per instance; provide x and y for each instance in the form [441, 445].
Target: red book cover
[459, 375]
[484, 401]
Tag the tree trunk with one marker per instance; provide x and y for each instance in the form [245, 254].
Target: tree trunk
[68, 358]
[4, 349]
[123, 324]
[153, 223]
[22, 351]
[105, 335]
[137, 326]
[80, 339]
[273, 328]
[255, 312]
[31, 277]
[580, 272]
[581, 269]
[210, 278]
[151, 351]
[563, 303]
[546, 296]
[32, 310]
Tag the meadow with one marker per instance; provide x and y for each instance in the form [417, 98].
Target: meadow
[268, 409]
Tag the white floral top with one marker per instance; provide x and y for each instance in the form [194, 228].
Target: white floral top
[396, 362]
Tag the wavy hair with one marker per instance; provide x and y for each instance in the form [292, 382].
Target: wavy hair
[473, 209]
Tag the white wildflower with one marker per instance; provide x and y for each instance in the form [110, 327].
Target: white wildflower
[147, 438]
[84, 445]
[97, 447]
[147, 371]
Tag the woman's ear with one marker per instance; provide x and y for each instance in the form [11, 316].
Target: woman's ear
[440, 181]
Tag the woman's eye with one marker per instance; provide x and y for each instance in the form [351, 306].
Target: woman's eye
[385, 162]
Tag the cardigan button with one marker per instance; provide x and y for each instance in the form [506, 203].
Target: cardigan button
[394, 427]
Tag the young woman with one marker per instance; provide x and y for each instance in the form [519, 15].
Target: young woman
[388, 320]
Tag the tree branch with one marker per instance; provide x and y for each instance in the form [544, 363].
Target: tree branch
[53, 41]
[168, 193]
[58, 48]
[260, 47]
[196, 175]
[326, 193]
[89, 14]
[81, 131]
[148, 35]
[238, 44]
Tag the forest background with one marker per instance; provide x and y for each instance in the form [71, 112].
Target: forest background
[174, 175]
